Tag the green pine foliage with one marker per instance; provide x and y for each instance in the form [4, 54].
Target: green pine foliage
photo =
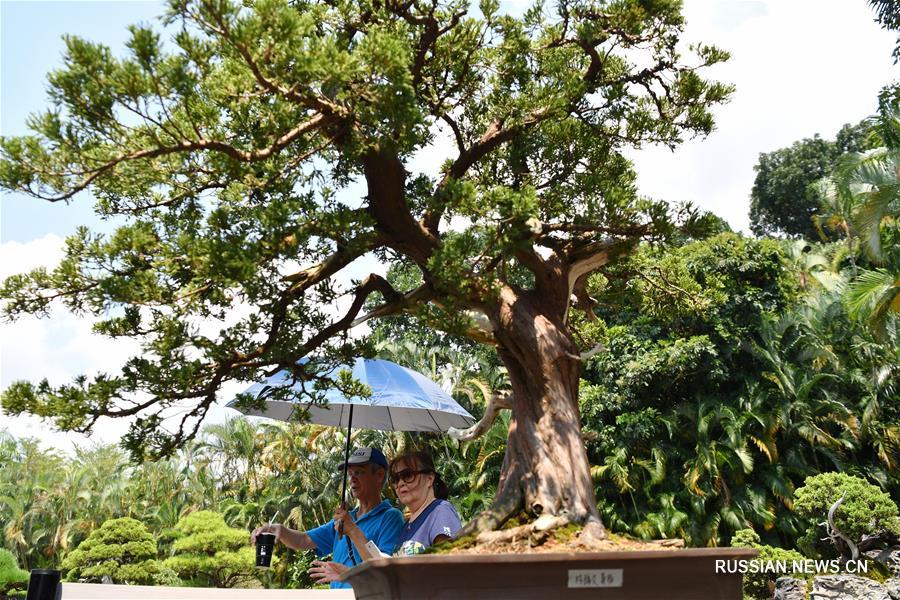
[122, 549]
[11, 576]
[209, 553]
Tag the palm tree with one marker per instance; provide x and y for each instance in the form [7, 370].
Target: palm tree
[234, 449]
[866, 187]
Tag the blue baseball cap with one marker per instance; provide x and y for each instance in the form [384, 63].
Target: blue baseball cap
[365, 456]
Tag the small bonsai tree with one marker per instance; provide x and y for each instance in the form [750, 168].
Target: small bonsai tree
[210, 553]
[757, 585]
[11, 576]
[866, 517]
[122, 549]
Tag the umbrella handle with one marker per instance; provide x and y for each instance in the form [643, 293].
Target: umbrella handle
[341, 534]
[341, 523]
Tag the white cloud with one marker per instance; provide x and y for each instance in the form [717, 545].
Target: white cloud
[800, 67]
[58, 348]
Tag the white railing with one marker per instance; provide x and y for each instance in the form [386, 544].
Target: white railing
[95, 591]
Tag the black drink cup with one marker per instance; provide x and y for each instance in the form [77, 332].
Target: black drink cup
[265, 546]
[44, 585]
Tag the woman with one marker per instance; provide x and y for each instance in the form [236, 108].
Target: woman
[421, 490]
[431, 519]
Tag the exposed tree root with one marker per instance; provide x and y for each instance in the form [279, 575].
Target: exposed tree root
[536, 532]
[503, 508]
[592, 534]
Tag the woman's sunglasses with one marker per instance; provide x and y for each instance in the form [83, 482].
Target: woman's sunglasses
[406, 475]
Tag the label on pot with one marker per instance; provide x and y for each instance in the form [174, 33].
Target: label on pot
[595, 578]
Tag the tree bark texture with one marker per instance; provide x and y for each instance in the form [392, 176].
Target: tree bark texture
[546, 468]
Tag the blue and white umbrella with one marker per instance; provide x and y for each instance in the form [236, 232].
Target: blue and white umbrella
[401, 400]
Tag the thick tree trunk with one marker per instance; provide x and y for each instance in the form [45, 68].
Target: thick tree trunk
[546, 469]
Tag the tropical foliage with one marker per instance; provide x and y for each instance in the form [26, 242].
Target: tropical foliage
[726, 383]
[784, 199]
[867, 187]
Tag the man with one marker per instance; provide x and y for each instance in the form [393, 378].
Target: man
[374, 519]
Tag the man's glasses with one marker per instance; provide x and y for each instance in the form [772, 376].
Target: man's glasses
[357, 473]
[406, 475]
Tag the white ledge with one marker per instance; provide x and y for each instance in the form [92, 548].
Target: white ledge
[90, 591]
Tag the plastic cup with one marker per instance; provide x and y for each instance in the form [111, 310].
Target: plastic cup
[44, 585]
[265, 546]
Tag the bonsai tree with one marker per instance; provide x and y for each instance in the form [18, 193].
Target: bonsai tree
[206, 549]
[863, 518]
[122, 549]
[274, 143]
[11, 576]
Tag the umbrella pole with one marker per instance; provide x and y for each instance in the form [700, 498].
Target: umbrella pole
[346, 458]
[344, 487]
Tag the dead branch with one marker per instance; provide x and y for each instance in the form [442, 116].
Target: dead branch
[497, 402]
[536, 532]
[581, 300]
[343, 256]
[836, 535]
[399, 304]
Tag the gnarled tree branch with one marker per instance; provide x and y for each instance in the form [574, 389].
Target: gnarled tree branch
[343, 256]
[315, 122]
[498, 401]
[399, 304]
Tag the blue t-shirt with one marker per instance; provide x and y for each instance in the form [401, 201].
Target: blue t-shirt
[440, 518]
[382, 525]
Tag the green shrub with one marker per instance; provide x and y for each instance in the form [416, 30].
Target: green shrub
[167, 577]
[298, 569]
[122, 548]
[756, 585]
[210, 553]
[865, 510]
[11, 576]
[745, 538]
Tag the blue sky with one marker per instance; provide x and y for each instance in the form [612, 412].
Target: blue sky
[38, 27]
[801, 67]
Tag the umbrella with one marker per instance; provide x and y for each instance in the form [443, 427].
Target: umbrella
[401, 400]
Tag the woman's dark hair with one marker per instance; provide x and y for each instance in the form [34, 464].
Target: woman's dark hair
[422, 461]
